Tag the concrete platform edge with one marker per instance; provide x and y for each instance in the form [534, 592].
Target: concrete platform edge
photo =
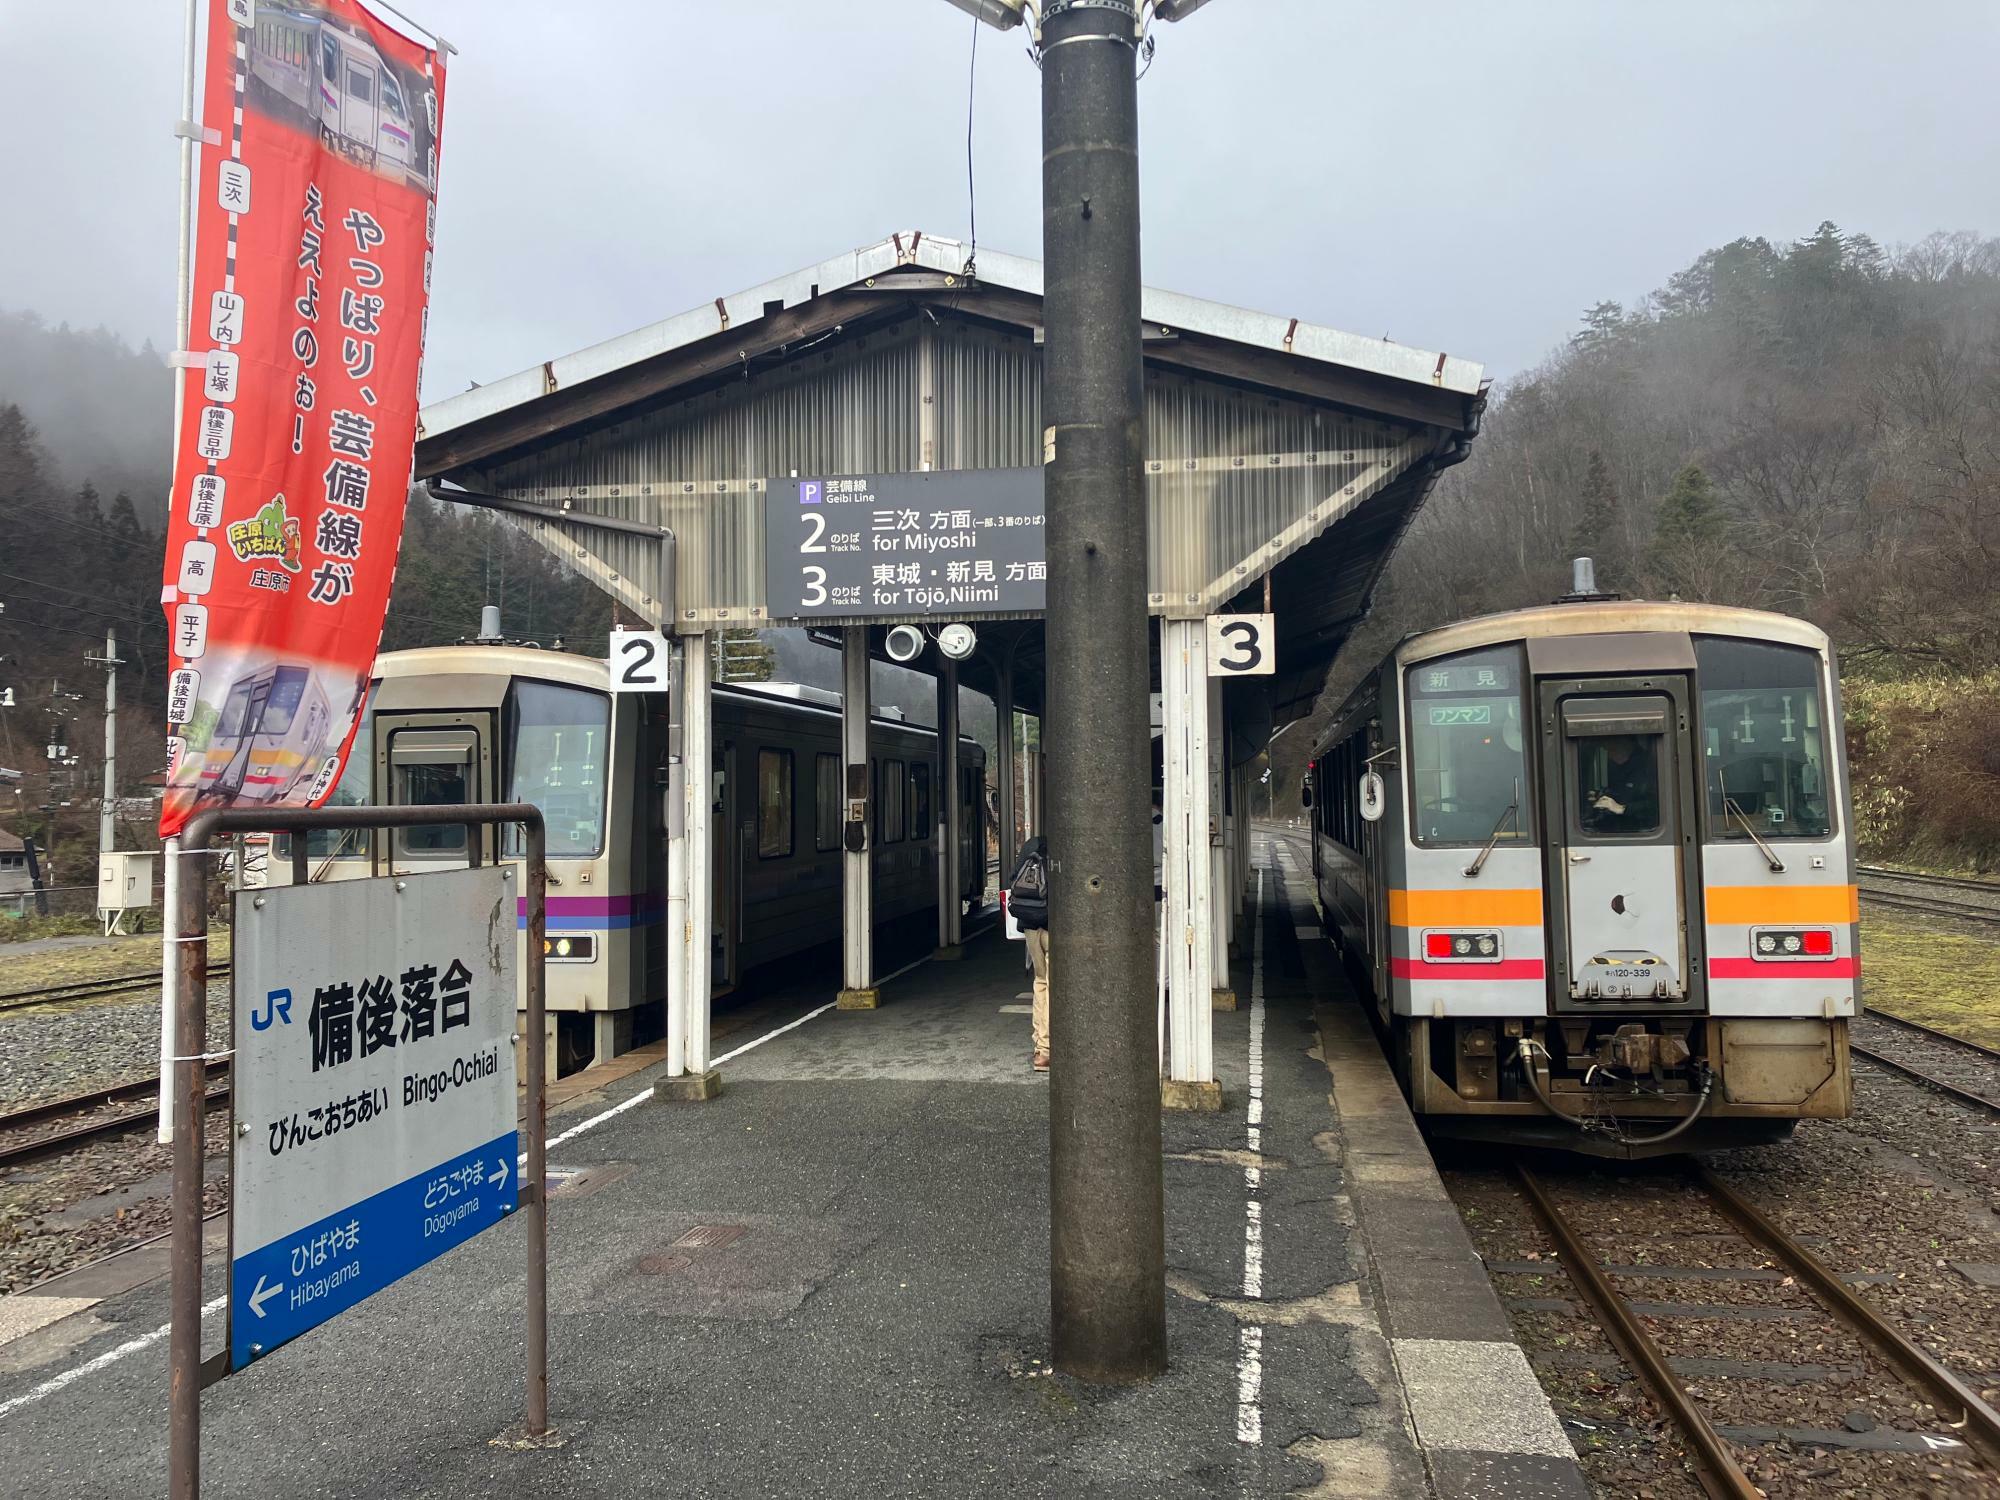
[1483, 1423]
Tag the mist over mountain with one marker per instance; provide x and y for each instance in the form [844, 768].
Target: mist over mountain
[104, 410]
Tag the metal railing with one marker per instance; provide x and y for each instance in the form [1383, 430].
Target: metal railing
[188, 994]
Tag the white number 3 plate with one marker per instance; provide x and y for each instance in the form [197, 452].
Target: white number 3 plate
[640, 661]
[1240, 646]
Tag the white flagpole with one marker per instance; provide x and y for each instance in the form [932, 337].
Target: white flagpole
[183, 294]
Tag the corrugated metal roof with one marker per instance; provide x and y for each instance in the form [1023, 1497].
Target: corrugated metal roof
[1270, 333]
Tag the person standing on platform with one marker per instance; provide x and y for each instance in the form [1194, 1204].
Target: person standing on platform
[1028, 905]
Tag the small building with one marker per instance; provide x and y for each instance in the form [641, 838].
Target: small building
[16, 880]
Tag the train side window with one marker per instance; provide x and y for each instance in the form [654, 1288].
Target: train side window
[920, 799]
[1763, 733]
[555, 741]
[774, 804]
[892, 806]
[828, 812]
[1467, 761]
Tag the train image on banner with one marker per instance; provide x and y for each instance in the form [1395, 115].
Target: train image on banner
[269, 732]
[337, 83]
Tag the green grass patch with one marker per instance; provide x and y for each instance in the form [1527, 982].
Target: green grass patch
[1932, 972]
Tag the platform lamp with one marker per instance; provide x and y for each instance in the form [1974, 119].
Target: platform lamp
[1007, 14]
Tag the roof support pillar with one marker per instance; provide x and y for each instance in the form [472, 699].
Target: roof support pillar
[945, 804]
[1003, 723]
[690, 884]
[857, 933]
[1188, 867]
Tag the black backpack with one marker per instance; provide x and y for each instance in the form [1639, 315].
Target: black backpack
[1028, 891]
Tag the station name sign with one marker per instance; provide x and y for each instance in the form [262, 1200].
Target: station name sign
[957, 543]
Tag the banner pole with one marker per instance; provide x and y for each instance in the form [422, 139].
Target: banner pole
[183, 294]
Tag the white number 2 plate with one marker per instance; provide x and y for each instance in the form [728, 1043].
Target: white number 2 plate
[641, 661]
[1240, 646]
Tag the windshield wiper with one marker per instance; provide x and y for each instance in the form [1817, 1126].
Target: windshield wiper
[1729, 806]
[1472, 870]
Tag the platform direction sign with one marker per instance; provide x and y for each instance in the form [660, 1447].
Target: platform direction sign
[956, 544]
[373, 1089]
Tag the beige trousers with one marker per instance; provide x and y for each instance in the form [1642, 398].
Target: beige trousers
[1038, 955]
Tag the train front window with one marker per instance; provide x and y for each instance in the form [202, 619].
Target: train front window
[1468, 771]
[1763, 730]
[557, 740]
[286, 692]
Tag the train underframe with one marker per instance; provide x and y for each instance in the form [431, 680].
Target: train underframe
[1623, 1086]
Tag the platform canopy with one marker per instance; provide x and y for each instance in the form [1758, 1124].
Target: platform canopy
[1273, 446]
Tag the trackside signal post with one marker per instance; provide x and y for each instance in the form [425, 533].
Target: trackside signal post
[375, 1112]
[1107, 1281]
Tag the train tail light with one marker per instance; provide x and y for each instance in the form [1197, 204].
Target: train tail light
[1778, 944]
[1462, 947]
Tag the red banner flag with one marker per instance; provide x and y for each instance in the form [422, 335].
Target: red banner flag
[313, 221]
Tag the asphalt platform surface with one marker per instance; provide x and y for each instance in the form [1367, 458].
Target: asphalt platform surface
[830, 1280]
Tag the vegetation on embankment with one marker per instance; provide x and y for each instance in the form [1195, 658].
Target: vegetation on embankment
[1937, 973]
[1926, 770]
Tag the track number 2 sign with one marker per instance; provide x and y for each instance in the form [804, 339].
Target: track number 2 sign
[1240, 646]
[640, 661]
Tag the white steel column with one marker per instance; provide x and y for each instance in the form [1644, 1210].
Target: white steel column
[1187, 870]
[1003, 721]
[950, 850]
[699, 757]
[1219, 904]
[856, 906]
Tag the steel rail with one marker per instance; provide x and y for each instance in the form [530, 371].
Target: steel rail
[1964, 1096]
[1909, 901]
[1715, 1465]
[86, 989]
[1978, 1049]
[1979, 1422]
[19, 1153]
[1952, 882]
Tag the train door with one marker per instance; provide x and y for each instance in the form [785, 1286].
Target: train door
[357, 101]
[726, 841]
[433, 760]
[1616, 772]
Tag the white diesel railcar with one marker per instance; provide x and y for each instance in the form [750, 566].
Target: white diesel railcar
[1593, 864]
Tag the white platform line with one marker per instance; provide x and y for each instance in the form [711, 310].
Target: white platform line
[103, 1361]
[1250, 1346]
[146, 1340]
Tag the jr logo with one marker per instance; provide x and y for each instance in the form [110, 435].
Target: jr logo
[277, 1007]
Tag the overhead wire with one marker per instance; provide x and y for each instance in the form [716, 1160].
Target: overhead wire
[971, 188]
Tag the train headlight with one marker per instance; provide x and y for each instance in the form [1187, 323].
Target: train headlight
[570, 948]
[1766, 943]
[1792, 943]
[1462, 946]
[1488, 945]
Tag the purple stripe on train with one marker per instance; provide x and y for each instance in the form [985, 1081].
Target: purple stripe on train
[595, 913]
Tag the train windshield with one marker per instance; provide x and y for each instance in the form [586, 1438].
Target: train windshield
[286, 692]
[557, 741]
[1467, 767]
[1763, 740]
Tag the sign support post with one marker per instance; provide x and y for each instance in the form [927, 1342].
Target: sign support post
[188, 1374]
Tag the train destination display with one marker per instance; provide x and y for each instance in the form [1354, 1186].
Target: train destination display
[374, 1089]
[958, 543]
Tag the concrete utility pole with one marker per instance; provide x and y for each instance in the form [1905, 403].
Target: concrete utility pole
[107, 810]
[1107, 1236]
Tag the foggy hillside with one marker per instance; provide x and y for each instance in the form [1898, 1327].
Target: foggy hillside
[104, 410]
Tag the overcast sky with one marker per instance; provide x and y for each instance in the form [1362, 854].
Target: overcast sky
[1462, 177]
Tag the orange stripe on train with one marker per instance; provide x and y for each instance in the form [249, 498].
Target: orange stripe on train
[1750, 905]
[1491, 908]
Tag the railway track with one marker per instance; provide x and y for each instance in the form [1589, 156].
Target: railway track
[1947, 1064]
[1695, 1395]
[1924, 893]
[88, 989]
[58, 1125]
